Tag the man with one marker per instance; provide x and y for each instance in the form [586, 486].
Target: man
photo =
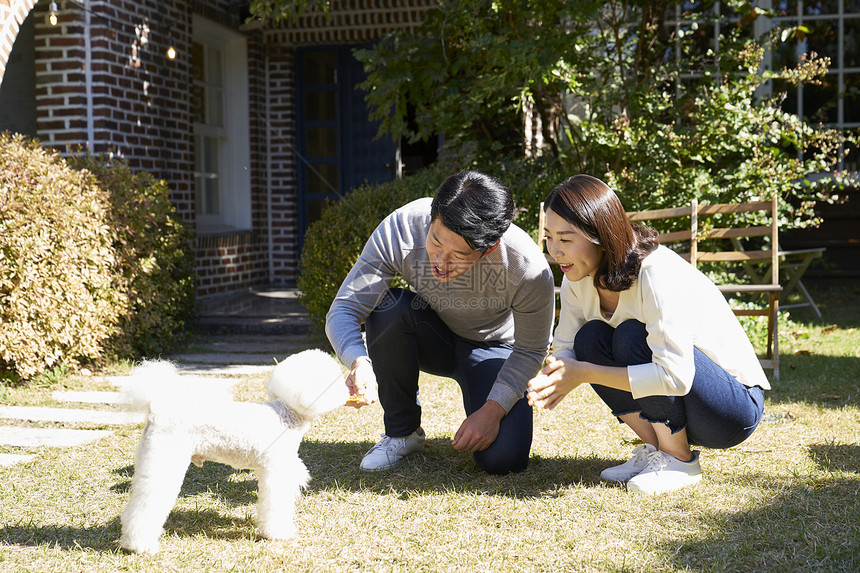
[479, 310]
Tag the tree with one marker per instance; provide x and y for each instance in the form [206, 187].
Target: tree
[632, 91]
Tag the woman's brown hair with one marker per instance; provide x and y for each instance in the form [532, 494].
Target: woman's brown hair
[591, 206]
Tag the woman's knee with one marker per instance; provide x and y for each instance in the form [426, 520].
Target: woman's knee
[593, 342]
[630, 344]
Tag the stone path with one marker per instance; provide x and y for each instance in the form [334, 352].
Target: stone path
[214, 358]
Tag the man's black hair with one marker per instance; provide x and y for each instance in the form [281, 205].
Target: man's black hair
[476, 206]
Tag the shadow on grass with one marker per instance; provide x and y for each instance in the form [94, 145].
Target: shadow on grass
[215, 479]
[97, 537]
[837, 458]
[813, 527]
[441, 468]
[104, 538]
[826, 381]
[231, 486]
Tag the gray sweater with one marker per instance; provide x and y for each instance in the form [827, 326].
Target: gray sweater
[507, 296]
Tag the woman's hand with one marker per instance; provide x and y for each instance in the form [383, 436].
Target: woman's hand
[557, 379]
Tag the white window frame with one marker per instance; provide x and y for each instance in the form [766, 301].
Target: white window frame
[234, 150]
[837, 68]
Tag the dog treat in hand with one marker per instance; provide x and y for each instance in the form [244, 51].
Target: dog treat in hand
[356, 399]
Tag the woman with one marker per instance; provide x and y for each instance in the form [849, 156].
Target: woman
[652, 335]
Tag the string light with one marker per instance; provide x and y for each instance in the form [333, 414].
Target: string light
[54, 19]
[171, 51]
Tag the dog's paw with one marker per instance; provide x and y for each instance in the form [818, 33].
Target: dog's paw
[138, 546]
[278, 532]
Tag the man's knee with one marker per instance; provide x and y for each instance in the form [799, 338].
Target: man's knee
[497, 462]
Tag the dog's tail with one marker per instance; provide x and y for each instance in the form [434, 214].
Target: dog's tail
[154, 380]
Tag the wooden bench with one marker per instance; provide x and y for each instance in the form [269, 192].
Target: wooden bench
[717, 235]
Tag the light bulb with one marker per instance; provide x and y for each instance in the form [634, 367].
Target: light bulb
[52, 17]
[171, 52]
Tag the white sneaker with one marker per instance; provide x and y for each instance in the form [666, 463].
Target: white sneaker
[631, 467]
[666, 473]
[388, 451]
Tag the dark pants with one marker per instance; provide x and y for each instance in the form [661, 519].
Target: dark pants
[405, 336]
[718, 412]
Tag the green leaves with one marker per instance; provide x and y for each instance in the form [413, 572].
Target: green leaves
[93, 262]
[663, 112]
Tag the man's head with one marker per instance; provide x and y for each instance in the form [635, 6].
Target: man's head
[469, 214]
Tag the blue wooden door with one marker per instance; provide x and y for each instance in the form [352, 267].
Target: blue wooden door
[337, 149]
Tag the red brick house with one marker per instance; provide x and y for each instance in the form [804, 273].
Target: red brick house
[252, 127]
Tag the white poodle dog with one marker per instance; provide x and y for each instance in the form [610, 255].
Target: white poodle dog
[187, 421]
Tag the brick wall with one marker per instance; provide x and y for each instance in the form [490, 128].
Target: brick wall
[227, 263]
[283, 190]
[104, 83]
[139, 109]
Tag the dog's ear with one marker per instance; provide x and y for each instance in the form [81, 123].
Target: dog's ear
[311, 382]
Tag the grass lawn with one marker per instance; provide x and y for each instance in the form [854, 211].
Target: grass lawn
[788, 499]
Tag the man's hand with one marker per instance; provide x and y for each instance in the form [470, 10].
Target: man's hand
[479, 430]
[362, 383]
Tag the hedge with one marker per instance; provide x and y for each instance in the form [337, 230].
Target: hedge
[155, 270]
[93, 262]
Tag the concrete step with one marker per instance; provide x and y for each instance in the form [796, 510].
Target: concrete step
[53, 437]
[12, 459]
[224, 369]
[69, 415]
[71, 396]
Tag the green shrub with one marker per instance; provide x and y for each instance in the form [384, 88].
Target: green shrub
[58, 303]
[155, 266]
[333, 243]
[94, 263]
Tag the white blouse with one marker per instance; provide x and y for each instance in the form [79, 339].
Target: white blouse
[681, 309]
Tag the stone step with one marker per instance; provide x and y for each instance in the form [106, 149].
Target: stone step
[228, 359]
[224, 369]
[12, 459]
[53, 437]
[92, 397]
[191, 373]
[69, 415]
[273, 345]
[295, 324]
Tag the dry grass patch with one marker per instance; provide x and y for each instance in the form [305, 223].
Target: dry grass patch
[785, 500]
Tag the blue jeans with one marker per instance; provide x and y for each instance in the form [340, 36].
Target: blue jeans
[405, 336]
[718, 412]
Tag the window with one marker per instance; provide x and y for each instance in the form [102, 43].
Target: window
[219, 112]
[833, 31]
